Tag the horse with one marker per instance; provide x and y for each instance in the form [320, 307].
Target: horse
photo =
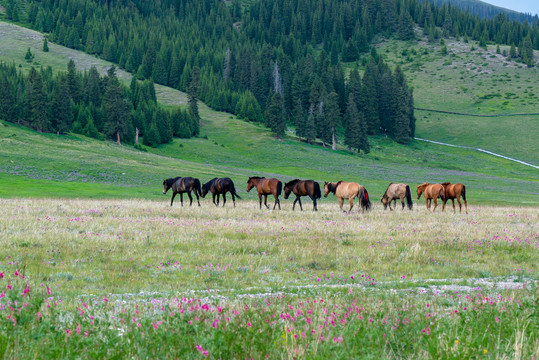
[265, 187]
[182, 185]
[220, 186]
[397, 191]
[303, 188]
[432, 191]
[455, 191]
[348, 190]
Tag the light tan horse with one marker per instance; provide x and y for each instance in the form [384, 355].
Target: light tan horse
[266, 187]
[348, 190]
[397, 191]
[432, 191]
[455, 191]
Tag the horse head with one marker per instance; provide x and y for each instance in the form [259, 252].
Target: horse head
[385, 201]
[166, 186]
[420, 189]
[250, 183]
[326, 189]
[287, 190]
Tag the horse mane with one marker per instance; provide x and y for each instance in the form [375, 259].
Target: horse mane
[387, 189]
[171, 181]
[445, 184]
[256, 177]
[209, 183]
[422, 185]
[333, 186]
[292, 183]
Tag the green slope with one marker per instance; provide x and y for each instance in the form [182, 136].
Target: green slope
[33, 164]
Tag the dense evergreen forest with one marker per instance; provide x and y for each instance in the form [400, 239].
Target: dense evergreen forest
[485, 10]
[274, 61]
[89, 104]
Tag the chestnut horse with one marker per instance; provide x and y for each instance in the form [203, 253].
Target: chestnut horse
[397, 191]
[348, 190]
[455, 191]
[432, 191]
[220, 186]
[181, 185]
[303, 188]
[266, 187]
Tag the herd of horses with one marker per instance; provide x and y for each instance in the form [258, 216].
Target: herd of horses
[342, 190]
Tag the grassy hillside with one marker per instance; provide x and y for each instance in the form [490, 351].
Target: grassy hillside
[479, 82]
[227, 146]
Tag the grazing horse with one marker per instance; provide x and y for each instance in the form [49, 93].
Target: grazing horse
[432, 191]
[348, 190]
[397, 191]
[265, 187]
[182, 185]
[220, 186]
[303, 188]
[455, 191]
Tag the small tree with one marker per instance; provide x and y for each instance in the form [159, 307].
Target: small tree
[29, 56]
[45, 45]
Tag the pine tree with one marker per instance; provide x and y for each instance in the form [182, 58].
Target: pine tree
[406, 26]
[192, 95]
[73, 82]
[274, 115]
[45, 45]
[310, 127]
[36, 102]
[29, 57]
[299, 118]
[332, 117]
[162, 119]
[117, 109]
[61, 108]
[151, 137]
[369, 102]
[351, 121]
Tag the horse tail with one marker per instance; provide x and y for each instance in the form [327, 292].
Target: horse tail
[198, 189]
[233, 190]
[279, 188]
[364, 198]
[464, 192]
[409, 198]
[317, 192]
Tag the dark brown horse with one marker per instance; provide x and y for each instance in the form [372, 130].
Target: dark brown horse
[266, 187]
[182, 185]
[348, 190]
[432, 191]
[303, 188]
[397, 191]
[455, 191]
[220, 186]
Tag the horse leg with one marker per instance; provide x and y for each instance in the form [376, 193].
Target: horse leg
[390, 201]
[294, 204]
[234, 200]
[260, 199]
[341, 200]
[277, 202]
[190, 198]
[300, 206]
[435, 204]
[213, 196]
[402, 202]
[218, 199]
[266, 201]
[466, 205]
[443, 206]
[351, 200]
[315, 208]
[181, 198]
[198, 200]
[460, 205]
[454, 210]
[224, 199]
[427, 201]
[172, 200]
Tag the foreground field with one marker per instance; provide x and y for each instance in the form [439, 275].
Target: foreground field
[80, 275]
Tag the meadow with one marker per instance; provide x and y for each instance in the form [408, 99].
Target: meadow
[195, 282]
[94, 263]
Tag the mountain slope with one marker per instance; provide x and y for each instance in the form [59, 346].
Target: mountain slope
[33, 164]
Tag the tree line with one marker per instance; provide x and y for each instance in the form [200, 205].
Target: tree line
[277, 61]
[90, 104]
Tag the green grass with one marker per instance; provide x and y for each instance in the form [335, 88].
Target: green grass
[141, 275]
